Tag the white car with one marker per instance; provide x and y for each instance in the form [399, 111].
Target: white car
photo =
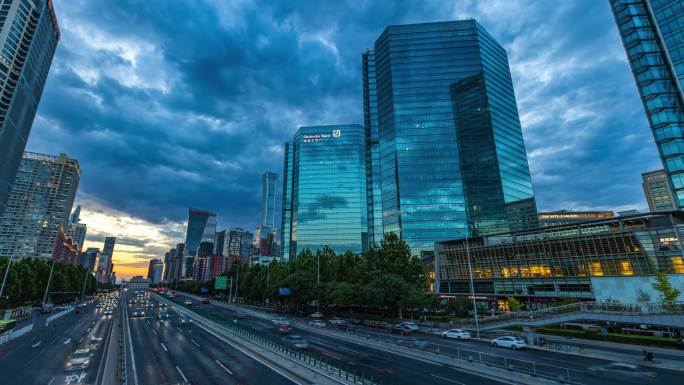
[317, 323]
[316, 315]
[337, 321]
[511, 342]
[458, 334]
[281, 321]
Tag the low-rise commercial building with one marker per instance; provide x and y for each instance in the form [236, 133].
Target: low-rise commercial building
[605, 260]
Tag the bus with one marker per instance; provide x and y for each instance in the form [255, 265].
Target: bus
[7, 325]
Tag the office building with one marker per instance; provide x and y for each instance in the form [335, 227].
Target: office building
[40, 203]
[451, 151]
[565, 217]
[370, 123]
[328, 190]
[77, 230]
[220, 241]
[151, 265]
[658, 192]
[286, 207]
[201, 228]
[264, 241]
[28, 37]
[268, 199]
[612, 259]
[653, 38]
[89, 258]
[173, 260]
[138, 283]
[240, 244]
[65, 249]
[104, 264]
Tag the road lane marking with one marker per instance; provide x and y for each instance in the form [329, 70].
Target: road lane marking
[352, 350]
[51, 381]
[37, 344]
[153, 331]
[446, 379]
[182, 375]
[194, 342]
[179, 329]
[224, 368]
[164, 346]
[130, 345]
[67, 341]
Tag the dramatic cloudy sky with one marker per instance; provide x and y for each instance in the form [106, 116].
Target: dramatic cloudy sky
[172, 104]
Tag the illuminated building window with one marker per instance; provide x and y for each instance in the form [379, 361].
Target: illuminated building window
[626, 268]
[596, 269]
[677, 264]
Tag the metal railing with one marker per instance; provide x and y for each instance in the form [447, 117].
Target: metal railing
[306, 358]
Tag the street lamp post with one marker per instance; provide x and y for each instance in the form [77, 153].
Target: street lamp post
[47, 288]
[472, 288]
[237, 280]
[84, 282]
[4, 279]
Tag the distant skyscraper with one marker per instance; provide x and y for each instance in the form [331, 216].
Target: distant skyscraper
[652, 35]
[174, 263]
[154, 271]
[40, 203]
[76, 230]
[286, 216]
[370, 122]
[328, 197]
[658, 192]
[201, 227]
[89, 258]
[105, 265]
[28, 37]
[220, 241]
[268, 199]
[452, 157]
[240, 244]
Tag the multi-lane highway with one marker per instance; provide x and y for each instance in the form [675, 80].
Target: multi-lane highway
[396, 369]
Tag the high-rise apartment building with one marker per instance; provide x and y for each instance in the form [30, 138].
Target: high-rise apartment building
[28, 37]
[174, 263]
[328, 190]
[452, 160]
[40, 203]
[658, 192]
[652, 34]
[268, 199]
[239, 244]
[201, 228]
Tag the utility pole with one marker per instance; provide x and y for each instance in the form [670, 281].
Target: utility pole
[52, 268]
[318, 268]
[237, 280]
[84, 282]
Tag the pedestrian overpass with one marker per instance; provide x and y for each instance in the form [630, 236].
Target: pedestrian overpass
[656, 314]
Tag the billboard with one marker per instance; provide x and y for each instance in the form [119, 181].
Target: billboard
[204, 290]
[283, 291]
[221, 283]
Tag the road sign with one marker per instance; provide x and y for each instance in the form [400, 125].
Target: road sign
[204, 290]
[221, 283]
[283, 291]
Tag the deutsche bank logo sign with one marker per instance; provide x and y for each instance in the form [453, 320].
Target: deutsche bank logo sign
[337, 133]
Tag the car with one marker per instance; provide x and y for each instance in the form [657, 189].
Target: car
[413, 342]
[404, 328]
[281, 321]
[457, 334]
[184, 320]
[138, 312]
[623, 372]
[79, 360]
[240, 315]
[284, 329]
[188, 302]
[336, 321]
[162, 305]
[317, 323]
[511, 342]
[296, 341]
[108, 311]
[316, 315]
[346, 326]
[206, 301]
[163, 315]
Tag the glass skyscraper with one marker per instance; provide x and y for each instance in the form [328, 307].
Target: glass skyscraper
[452, 160]
[268, 199]
[327, 196]
[28, 37]
[201, 227]
[652, 33]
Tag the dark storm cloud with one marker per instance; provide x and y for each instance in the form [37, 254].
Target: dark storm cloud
[173, 104]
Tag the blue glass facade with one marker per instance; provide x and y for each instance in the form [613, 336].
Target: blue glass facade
[328, 190]
[268, 199]
[201, 227]
[451, 151]
[286, 217]
[652, 33]
[28, 37]
[370, 117]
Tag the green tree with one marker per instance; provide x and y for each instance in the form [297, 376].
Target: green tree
[662, 284]
[514, 304]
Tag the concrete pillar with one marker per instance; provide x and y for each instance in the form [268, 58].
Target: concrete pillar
[530, 335]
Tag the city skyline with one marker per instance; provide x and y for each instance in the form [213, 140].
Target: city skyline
[559, 77]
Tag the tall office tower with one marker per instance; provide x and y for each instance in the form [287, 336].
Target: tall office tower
[89, 258]
[240, 244]
[40, 203]
[654, 41]
[104, 264]
[28, 37]
[286, 215]
[328, 197]
[154, 270]
[452, 156]
[658, 192]
[220, 241]
[268, 199]
[370, 123]
[77, 230]
[201, 227]
[174, 263]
